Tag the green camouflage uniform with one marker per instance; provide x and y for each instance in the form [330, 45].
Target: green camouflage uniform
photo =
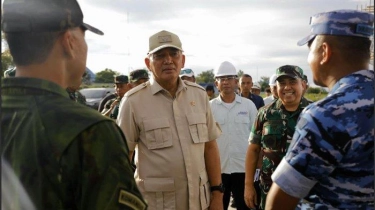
[65, 155]
[273, 131]
[107, 106]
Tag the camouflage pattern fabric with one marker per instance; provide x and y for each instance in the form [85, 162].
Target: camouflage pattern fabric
[273, 130]
[341, 23]
[10, 72]
[115, 110]
[65, 155]
[334, 146]
[76, 96]
[80, 98]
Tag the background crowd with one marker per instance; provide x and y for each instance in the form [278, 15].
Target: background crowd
[161, 141]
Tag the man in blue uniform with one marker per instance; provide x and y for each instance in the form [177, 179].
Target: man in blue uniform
[246, 84]
[330, 162]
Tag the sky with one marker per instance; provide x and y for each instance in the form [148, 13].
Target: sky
[257, 36]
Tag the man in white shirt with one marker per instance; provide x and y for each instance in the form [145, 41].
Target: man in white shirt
[235, 114]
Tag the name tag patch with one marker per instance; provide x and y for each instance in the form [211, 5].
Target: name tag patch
[130, 200]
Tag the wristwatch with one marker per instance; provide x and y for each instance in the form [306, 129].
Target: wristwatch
[220, 188]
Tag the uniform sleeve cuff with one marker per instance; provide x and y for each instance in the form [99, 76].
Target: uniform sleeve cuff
[291, 181]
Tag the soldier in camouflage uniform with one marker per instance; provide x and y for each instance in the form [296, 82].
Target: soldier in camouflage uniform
[73, 92]
[65, 156]
[330, 162]
[273, 130]
[121, 86]
[138, 77]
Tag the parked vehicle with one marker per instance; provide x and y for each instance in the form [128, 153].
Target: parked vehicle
[95, 95]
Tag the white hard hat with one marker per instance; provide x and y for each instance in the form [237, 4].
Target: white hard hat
[256, 86]
[272, 81]
[225, 69]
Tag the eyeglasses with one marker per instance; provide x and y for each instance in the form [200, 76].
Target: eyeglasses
[223, 79]
[162, 55]
[186, 71]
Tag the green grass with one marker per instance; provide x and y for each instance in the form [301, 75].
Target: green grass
[315, 96]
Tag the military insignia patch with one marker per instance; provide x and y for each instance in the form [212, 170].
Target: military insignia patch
[165, 39]
[130, 200]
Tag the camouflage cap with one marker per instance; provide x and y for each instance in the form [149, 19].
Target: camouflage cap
[162, 40]
[340, 23]
[290, 71]
[138, 74]
[43, 16]
[121, 79]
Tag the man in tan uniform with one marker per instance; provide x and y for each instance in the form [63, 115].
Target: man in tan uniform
[170, 123]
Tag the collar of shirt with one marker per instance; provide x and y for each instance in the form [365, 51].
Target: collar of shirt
[237, 99]
[155, 87]
[27, 83]
[249, 97]
[356, 77]
[302, 104]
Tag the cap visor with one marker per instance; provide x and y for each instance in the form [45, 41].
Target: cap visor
[287, 75]
[92, 29]
[306, 39]
[162, 47]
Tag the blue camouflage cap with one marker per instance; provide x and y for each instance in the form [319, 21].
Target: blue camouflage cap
[43, 16]
[340, 23]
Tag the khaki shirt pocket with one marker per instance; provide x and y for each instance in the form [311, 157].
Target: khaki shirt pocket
[204, 190]
[158, 133]
[198, 127]
[160, 192]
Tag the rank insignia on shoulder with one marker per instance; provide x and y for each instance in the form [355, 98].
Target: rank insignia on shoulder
[130, 200]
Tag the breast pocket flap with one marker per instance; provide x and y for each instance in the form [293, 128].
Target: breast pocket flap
[159, 184]
[153, 124]
[196, 119]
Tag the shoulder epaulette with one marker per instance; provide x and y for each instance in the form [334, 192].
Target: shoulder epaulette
[193, 84]
[137, 88]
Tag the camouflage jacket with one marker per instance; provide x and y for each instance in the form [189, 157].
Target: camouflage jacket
[332, 152]
[273, 129]
[65, 155]
[107, 106]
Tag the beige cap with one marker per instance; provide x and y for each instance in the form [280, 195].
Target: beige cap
[162, 40]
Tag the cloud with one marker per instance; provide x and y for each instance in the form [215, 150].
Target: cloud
[258, 36]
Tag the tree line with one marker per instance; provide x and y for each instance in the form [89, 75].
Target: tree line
[107, 75]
